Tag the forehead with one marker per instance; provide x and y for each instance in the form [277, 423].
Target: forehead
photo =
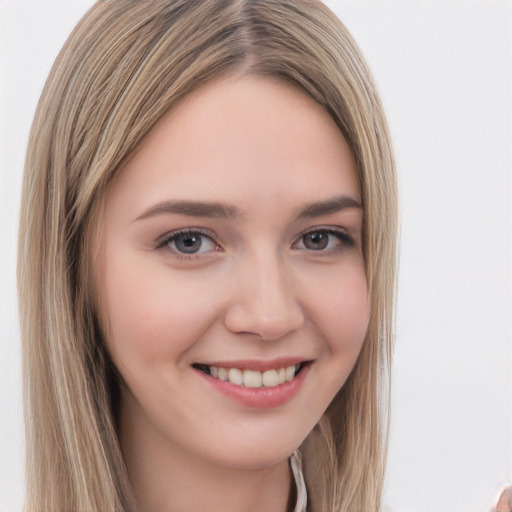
[257, 138]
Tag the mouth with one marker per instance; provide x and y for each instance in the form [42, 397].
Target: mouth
[269, 378]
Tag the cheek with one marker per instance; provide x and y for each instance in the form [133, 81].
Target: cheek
[345, 320]
[152, 315]
[351, 313]
[341, 311]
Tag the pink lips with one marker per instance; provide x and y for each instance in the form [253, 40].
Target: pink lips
[262, 397]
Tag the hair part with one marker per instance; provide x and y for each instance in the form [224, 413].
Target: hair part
[126, 64]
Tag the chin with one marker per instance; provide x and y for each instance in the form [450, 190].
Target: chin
[255, 460]
[254, 452]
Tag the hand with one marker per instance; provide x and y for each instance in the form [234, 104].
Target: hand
[504, 501]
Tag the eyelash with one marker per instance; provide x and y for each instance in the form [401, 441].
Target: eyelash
[163, 242]
[346, 241]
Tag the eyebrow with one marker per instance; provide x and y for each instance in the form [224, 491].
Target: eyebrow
[328, 206]
[225, 211]
[193, 209]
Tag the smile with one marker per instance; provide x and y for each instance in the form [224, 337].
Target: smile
[252, 378]
[260, 385]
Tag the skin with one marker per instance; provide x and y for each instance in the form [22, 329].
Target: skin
[255, 290]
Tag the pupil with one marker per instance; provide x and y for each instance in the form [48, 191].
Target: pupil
[188, 243]
[316, 241]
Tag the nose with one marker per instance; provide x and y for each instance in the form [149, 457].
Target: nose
[264, 300]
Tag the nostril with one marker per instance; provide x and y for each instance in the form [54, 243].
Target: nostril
[254, 318]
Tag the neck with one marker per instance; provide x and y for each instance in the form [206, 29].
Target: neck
[167, 478]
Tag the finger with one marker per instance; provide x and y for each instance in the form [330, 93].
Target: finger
[504, 502]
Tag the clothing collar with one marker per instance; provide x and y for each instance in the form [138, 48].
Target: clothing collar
[300, 485]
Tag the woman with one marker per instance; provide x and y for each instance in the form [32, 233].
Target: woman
[207, 263]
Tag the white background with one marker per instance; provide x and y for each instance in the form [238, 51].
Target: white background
[444, 71]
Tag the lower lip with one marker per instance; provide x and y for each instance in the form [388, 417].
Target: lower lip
[263, 397]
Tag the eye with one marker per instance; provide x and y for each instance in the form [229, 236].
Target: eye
[324, 240]
[188, 243]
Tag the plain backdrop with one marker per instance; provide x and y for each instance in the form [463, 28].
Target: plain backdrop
[444, 72]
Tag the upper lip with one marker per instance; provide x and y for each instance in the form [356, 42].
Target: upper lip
[258, 364]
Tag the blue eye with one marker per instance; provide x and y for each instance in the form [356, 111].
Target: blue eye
[189, 243]
[324, 240]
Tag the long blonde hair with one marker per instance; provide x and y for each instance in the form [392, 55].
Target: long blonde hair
[124, 66]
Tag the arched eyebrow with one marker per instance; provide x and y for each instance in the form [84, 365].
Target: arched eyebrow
[328, 206]
[226, 211]
[193, 209]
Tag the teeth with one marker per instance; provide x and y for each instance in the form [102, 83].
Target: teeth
[255, 379]
[270, 378]
[222, 373]
[235, 376]
[289, 372]
[252, 379]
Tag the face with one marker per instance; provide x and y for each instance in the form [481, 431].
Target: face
[232, 276]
